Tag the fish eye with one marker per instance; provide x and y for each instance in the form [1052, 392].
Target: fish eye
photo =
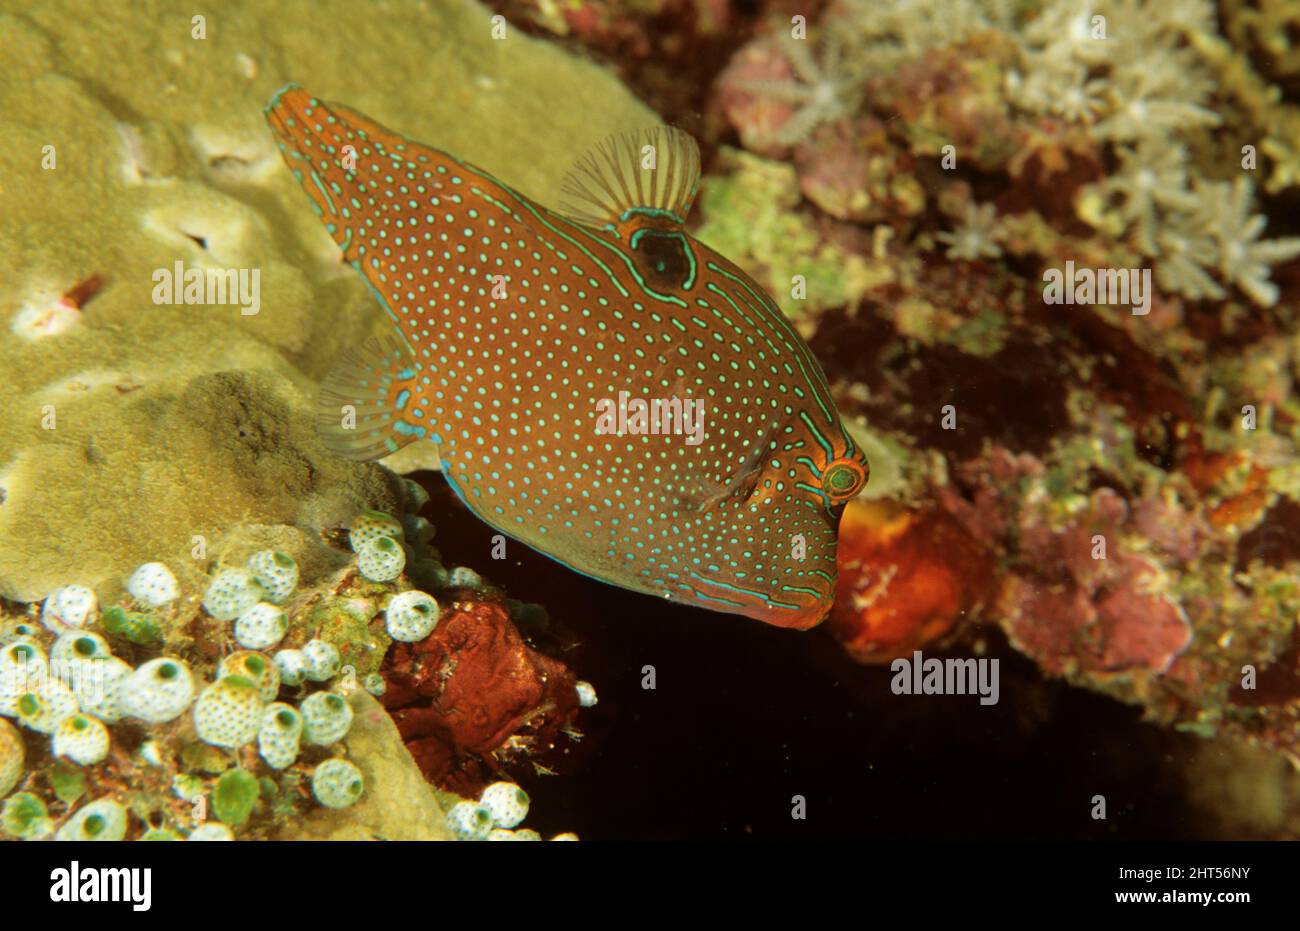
[844, 479]
[664, 258]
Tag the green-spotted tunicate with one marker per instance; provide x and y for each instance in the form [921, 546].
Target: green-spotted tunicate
[232, 592]
[12, 757]
[81, 739]
[322, 660]
[280, 735]
[153, 585]
[337, 783]
[157, 692]
[371, 526]
[258, 668]
[228, 712]
[261, 627]
[46, 705]
[24, 816]
[104, 819]
[276, 572]
[381, 560]
[469, 821]
[234, 796]
[507, 803]
[292, 665]
[326, 718]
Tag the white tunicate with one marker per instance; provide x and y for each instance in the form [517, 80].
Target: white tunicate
[232, 592]
[46, 705]
[586, 694]
[81, 739]
[153, 584]
[469, 821]
[326, 718]
[381, 560]
[276, 572]
[98, 686]
[280, 734]
[292, 665]
[104, 819]
[157, 692]
[507, 802]
[322, 659]
[411, 616]
[69, 606]
[211, 831]
[228, 712]
[23, 667]
[261, 627]
[72, 650]
[464, 577]
[337, 783]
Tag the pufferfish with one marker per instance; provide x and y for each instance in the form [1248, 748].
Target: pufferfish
[518, 329]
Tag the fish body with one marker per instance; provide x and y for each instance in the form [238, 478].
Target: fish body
[525, 337]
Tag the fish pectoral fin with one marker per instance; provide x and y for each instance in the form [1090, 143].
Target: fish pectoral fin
[653, 171]
[363, 404]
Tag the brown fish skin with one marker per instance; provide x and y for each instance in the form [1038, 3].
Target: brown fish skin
[516, 323]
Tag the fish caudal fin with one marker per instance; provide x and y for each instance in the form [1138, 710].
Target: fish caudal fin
[363, 406]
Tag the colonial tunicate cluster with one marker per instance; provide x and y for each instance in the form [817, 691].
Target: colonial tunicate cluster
[496, 816]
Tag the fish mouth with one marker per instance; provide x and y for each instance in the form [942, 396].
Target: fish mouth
[797, 610]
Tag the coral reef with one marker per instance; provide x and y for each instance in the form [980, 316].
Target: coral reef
[1113, 486]
[200, 729]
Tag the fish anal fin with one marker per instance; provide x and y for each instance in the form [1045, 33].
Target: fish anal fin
[652, 172]
[362, 406]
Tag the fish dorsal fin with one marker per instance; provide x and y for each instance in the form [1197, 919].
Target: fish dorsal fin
[654, 171]
[364, 402]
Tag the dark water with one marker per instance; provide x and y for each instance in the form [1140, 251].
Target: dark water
[745, 716]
